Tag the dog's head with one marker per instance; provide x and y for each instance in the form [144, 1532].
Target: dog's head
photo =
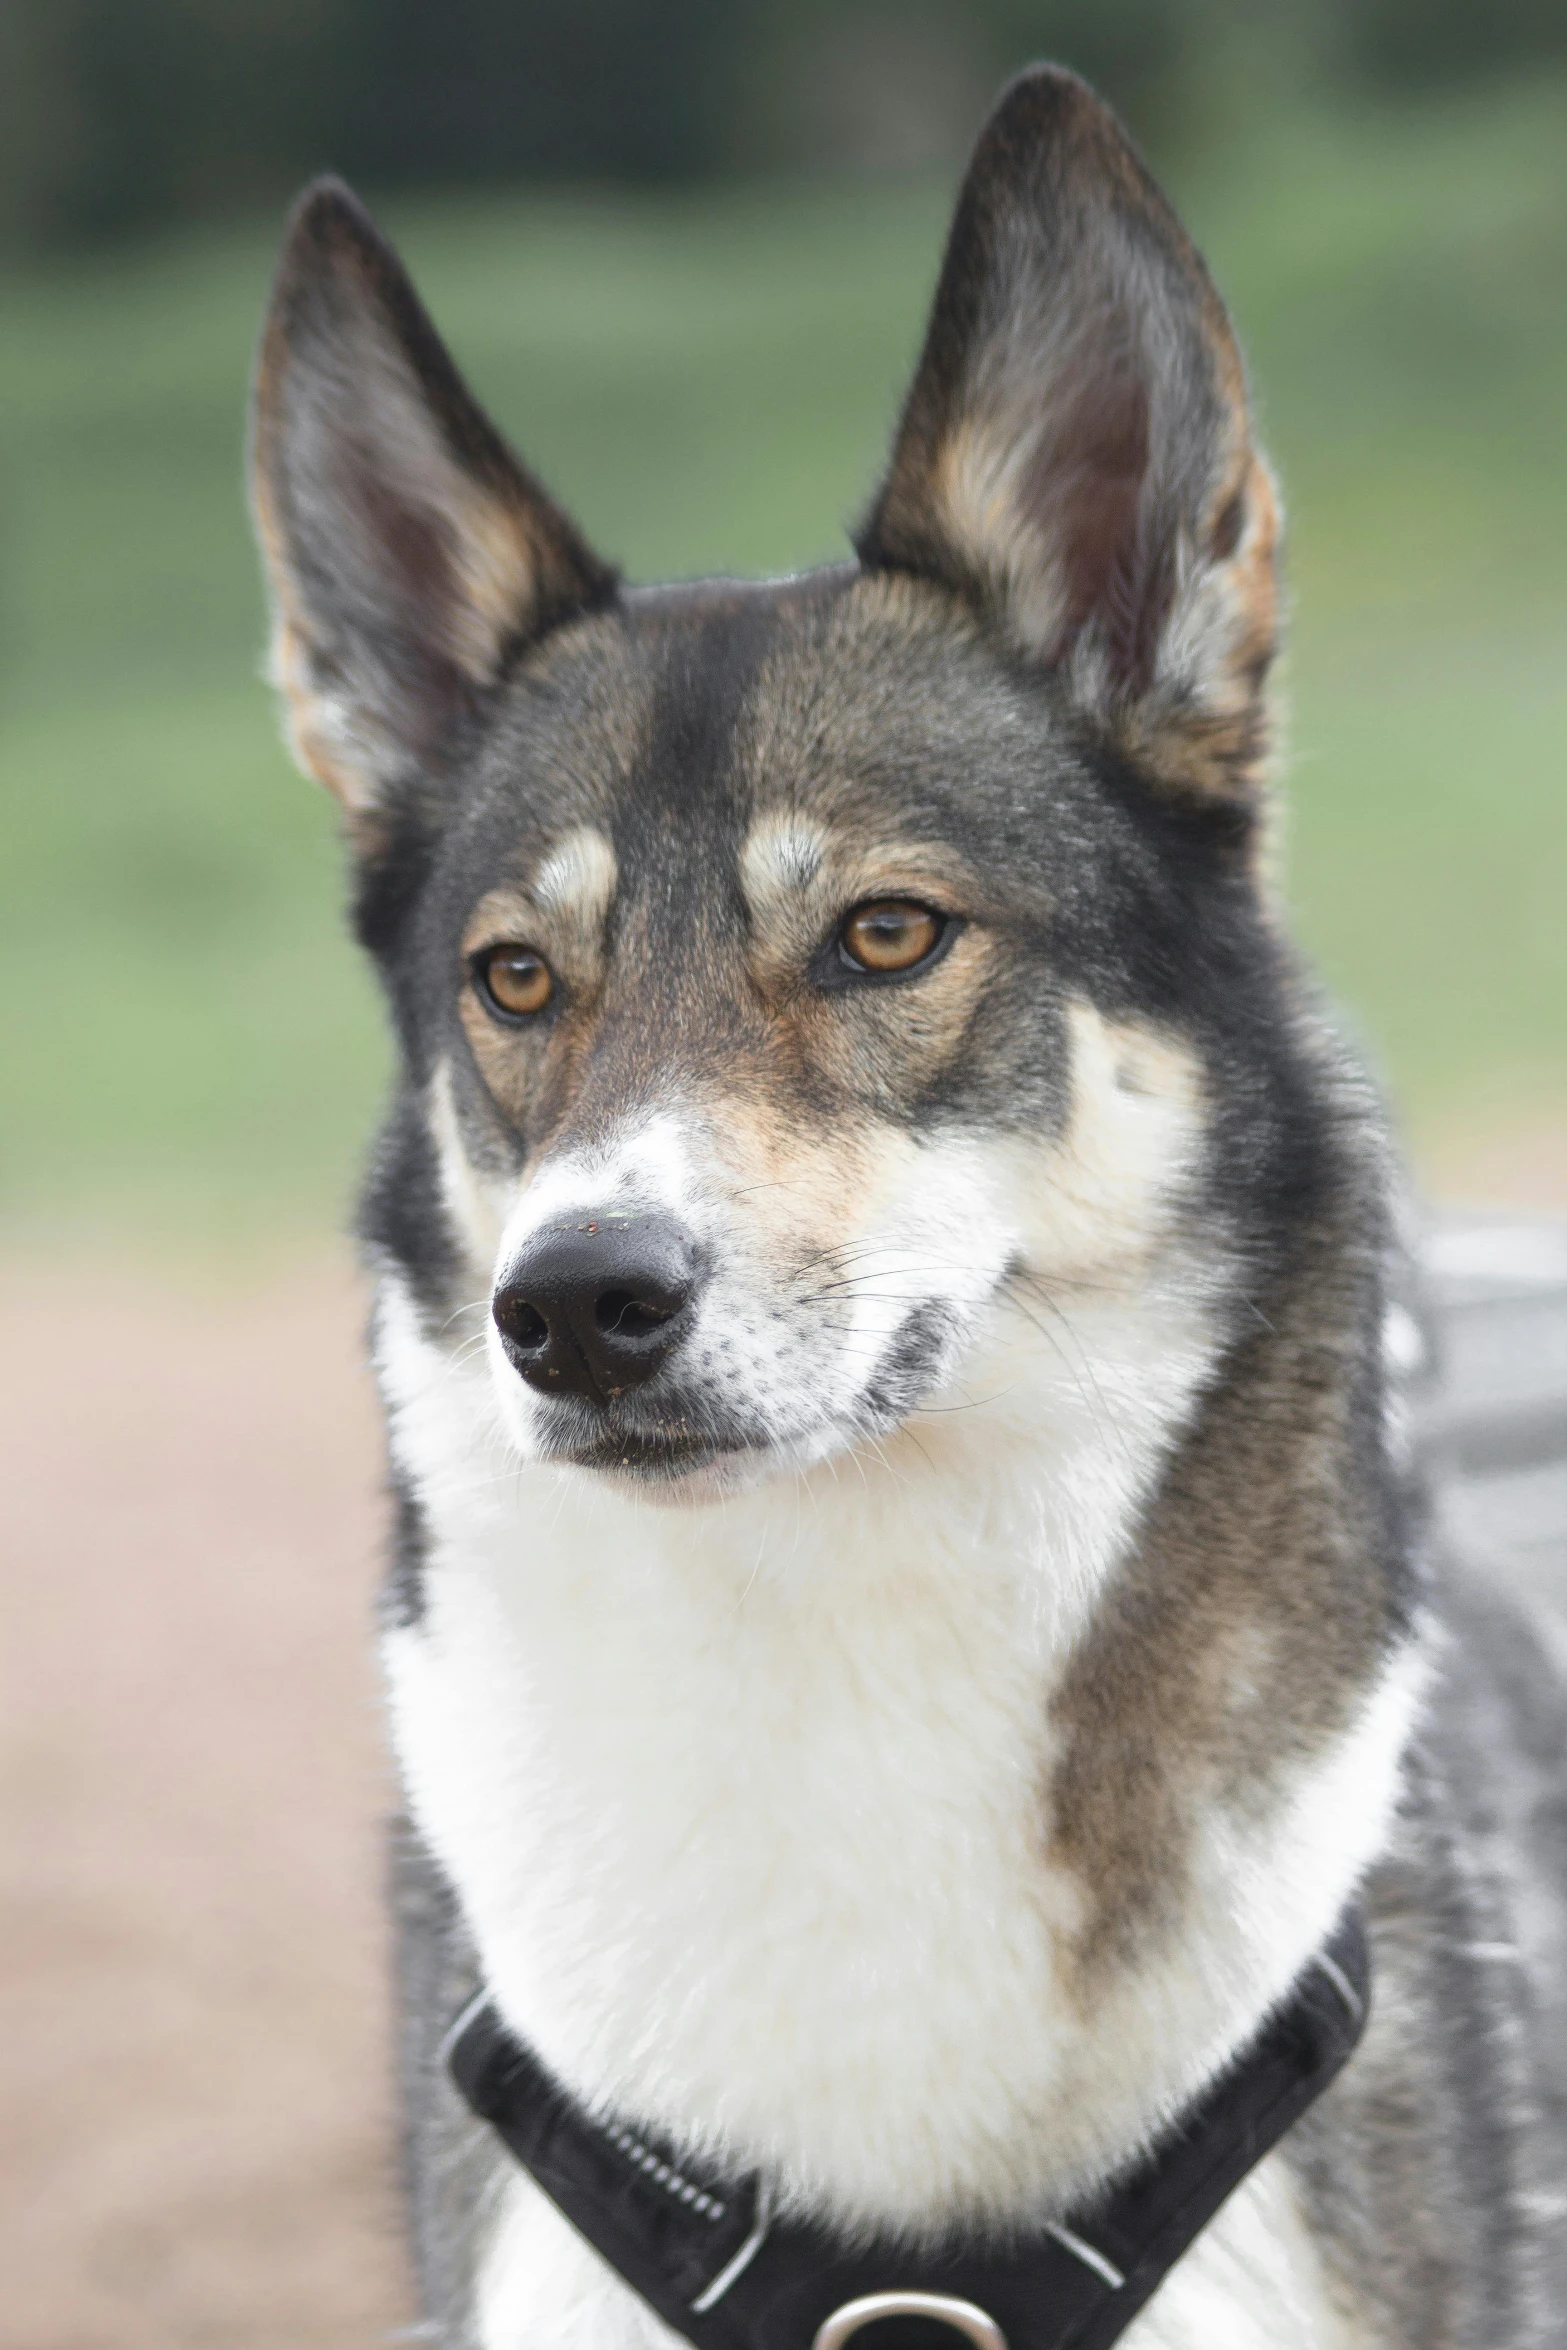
[801, 985]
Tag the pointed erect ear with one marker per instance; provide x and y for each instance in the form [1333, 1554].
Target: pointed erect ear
[1075, 456]
[408, 551]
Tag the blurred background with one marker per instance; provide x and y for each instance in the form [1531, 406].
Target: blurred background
[682, 249]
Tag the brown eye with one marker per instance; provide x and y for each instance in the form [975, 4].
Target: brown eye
[515, 980]
[890, 934]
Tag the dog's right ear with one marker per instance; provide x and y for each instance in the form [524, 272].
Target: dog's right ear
[409, 553]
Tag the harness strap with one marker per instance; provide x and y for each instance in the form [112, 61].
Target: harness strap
[719, 2267]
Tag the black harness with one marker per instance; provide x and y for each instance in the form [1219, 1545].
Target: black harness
[713, 2261]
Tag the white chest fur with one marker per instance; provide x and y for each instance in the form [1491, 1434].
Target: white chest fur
[747, 1807]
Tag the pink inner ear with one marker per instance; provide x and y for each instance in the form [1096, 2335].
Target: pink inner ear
[1083, 491]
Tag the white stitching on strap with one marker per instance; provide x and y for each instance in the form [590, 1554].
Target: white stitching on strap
[1089, 2254]
[743, 2258]
[454, 2032]
[1341, 1983]
[664, 2174]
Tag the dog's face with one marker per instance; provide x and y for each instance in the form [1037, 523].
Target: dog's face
[761, 1026]
[801, 985]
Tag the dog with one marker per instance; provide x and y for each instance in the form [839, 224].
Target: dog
[912, 1618]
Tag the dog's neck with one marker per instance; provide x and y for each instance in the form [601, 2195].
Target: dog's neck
[928, 1827]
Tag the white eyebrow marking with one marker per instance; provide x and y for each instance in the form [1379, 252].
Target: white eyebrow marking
[579, 877]
[782, 855]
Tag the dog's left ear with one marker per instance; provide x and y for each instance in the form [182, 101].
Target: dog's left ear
[1075, 455]
[408, 551]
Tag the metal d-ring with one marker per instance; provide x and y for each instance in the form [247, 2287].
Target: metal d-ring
[965, 2317]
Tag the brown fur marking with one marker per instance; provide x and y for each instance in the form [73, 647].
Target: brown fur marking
[1252, 1552]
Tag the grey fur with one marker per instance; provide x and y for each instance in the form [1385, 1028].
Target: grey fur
[1435, 2168]
[453, 2167]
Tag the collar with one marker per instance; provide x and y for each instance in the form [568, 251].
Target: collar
[715, 2262]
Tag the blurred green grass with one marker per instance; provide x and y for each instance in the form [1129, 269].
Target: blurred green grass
[188, 1040]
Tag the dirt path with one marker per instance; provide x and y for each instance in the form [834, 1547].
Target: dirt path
[195, 2144]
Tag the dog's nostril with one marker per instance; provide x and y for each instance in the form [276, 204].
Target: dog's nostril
[523, 1324]
[619, 1313]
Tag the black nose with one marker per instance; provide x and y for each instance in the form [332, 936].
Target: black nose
[593, 1307]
